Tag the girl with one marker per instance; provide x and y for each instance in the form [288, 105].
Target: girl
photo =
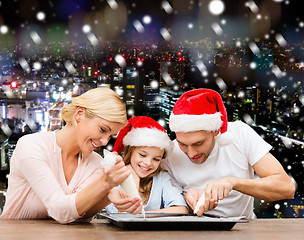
[145, 144]
[57, 174]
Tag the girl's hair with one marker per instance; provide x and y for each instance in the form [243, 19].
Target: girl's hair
[102, 102]
[145, 184]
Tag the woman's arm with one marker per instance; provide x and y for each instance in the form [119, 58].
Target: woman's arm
[93, 198]
[63, 207]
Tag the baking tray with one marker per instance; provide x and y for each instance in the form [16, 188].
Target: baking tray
[165, 221]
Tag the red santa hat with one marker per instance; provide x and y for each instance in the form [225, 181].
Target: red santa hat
[200, 109]
[143, 131]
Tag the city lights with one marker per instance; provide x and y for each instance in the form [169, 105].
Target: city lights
[13, 84]
[150, 53]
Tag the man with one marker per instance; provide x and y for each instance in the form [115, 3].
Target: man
[218, 159]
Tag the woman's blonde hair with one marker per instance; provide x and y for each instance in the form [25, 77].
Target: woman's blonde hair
[102, 102]
[145, 184]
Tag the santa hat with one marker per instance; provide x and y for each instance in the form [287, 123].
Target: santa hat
[143, 131]
[200, 109]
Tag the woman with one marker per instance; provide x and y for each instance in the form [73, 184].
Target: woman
[58, 174]
[145, 144]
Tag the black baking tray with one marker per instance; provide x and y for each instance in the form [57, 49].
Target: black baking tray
[165, 221]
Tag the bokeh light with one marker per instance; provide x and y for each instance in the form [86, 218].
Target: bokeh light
[3, 29]
[147, 19]
[40, 16]
[216, 7]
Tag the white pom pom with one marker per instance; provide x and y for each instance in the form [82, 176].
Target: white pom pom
[224, 139]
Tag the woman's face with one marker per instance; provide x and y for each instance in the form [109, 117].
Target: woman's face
[146, 160]
[94, 132]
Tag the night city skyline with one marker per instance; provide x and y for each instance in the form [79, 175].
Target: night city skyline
[150, 52]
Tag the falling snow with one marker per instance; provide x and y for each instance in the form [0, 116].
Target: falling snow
[138, 26]
[252, 53]
[252, 5]
[3, 29]
[280, 39]
[216, 7]
[217, 28]
[165, 33]
[221, 84]
[167, 7]
[41, 16]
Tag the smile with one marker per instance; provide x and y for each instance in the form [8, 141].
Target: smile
[196, 158]
[94, 145]
[144, 169]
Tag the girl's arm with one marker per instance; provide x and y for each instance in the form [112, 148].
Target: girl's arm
[173, 209]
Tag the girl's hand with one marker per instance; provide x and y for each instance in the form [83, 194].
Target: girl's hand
[123, 203]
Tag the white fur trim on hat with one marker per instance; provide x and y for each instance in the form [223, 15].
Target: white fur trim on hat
[148, 137]
[191, 123]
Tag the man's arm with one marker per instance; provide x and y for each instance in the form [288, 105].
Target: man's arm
[273, 184]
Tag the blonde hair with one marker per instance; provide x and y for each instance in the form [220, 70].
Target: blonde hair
[102, 102]
[145, 184]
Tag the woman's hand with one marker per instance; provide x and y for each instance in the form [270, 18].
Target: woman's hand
[116, 174]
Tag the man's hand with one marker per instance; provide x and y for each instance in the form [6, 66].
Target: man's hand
[123, 203]
[215, 191]
[192, 197]
[219, 189]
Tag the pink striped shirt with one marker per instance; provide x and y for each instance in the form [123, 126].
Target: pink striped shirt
[37, 187]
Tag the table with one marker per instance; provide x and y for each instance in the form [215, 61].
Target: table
[276, 229]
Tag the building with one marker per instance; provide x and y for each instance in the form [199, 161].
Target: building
[168, 98]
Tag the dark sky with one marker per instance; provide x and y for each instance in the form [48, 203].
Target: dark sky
[276, 16]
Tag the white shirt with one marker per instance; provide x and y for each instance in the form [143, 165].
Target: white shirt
[232, 160]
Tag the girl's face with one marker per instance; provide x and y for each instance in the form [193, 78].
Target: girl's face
[146, 160]
[94, 132]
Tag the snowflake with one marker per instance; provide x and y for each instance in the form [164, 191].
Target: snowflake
[4, 29]
[221, 84]
[40, 16]
[167, 7]
[216, 7]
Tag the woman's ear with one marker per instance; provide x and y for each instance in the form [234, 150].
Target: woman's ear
[79, 114]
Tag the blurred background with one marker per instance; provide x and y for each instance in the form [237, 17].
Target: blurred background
[151, 52]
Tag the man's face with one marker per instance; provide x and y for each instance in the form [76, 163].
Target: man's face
[197, 145]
